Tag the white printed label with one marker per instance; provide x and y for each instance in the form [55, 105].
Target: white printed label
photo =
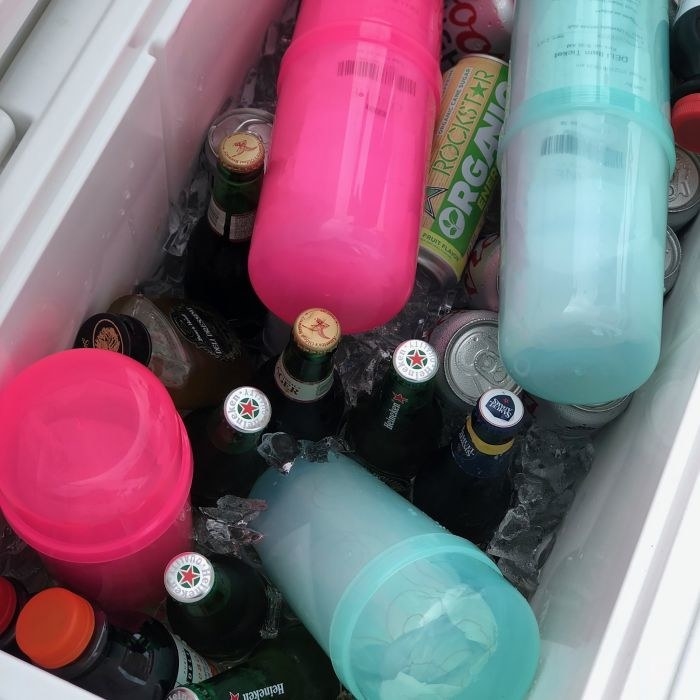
[304, 392]
[192, 668]
[240, 227]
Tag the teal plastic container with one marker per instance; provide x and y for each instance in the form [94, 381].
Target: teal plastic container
[403, 608]
[586, 155]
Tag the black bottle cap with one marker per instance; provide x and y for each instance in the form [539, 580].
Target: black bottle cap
[116, 332]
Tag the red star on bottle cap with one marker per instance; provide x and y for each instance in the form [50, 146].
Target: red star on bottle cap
[399, 398]
[416, 358]
[189, 575]
[247, 408]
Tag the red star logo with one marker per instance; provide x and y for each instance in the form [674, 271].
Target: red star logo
[233, 696]
[416, 359]
[319, 327]
[189, 575]
[398, 398]
[248, 408]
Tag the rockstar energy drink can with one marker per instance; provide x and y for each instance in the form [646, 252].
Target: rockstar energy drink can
[462, 171]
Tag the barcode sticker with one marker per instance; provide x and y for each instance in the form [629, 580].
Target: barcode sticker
[374, 71]
[569, 144]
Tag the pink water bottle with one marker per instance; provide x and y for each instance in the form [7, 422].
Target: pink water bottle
[338, 221]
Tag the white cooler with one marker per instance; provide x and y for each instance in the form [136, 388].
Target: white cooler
[103, 107]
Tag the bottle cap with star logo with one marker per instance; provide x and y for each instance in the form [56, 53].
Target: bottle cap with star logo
[316, 331]
[242, 152]
[189, 577]
[247, 410]
[415, 361]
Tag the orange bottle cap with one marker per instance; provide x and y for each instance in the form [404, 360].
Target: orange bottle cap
[55, 627]
[685, 120]
[8, 603]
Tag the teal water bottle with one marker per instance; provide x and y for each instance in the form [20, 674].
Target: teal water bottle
[586, 155]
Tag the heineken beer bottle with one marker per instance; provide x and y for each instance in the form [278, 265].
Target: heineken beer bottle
[292, 666]
[65, 634]
[465, 486]
[216, 268]
[224, 445]
[394, 430]
[216, 606]
[304, 389]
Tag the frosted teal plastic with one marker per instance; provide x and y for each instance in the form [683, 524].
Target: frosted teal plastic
[585, 156]
[404, 609]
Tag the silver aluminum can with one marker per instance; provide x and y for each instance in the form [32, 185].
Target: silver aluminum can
[684, 189]
[672, 261]
[571, 421]
[476, 26]
[470, 363]
[481, 274]
[255, 121]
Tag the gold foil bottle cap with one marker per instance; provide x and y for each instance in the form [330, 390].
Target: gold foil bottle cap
[317, 331]
[242, 152]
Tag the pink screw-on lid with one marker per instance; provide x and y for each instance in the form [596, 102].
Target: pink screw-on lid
[95, 463]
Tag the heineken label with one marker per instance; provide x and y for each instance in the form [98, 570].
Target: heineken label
[206, 331]
[235, 227]
[189, 577]
[270, 691]
[462, 171]
[415, 361]
[192, 668]
[295, 389]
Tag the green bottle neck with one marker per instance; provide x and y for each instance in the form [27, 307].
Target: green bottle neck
[398, 399]
[216, 600]
[236, 193]
[305, 366]
[226, 438]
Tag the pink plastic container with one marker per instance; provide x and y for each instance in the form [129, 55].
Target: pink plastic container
[339, 215]
[95, 472]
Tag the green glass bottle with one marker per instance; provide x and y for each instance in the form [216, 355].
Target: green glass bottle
[216, 267]
[302, 384]
[224, 445]
[465, 485]
[394, 430]
[217, 606]
[292, 666]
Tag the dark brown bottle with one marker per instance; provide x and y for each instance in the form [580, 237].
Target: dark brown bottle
[216, 267]
[302, 384]
[192, 349]
[465, 485]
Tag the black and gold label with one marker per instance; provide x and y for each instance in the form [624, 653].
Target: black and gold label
[206, 330]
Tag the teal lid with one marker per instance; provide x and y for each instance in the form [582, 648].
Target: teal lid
[433, 617]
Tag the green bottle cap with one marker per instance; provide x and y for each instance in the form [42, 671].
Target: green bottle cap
[188, 577]
[415, 361]
[247, 409]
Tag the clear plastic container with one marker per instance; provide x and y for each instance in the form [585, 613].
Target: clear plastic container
[404, 609]
[587, 153]
[338, 221]
[95, 471]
